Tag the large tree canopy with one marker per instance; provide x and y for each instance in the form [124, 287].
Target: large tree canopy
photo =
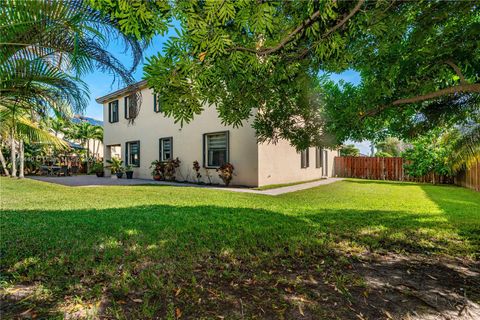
[422, 72]
[419, 63]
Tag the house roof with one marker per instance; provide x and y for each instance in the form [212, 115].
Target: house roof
[121, 92]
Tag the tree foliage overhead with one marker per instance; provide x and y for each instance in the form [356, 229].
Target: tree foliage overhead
[259, 59]
[422, 72]
[419, 63]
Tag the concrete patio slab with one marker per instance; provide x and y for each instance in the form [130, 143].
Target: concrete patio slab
[92, 181]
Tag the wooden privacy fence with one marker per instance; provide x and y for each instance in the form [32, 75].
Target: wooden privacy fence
[376, 168]
[379, 168]
[470, 178]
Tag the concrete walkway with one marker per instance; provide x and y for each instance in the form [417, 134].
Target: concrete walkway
[92, 181]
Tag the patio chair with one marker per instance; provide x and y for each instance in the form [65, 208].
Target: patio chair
[63, 171]
[44, 171]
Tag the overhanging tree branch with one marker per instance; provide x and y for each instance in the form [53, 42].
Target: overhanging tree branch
[335, 27]
[462, 88]
[457, 71]
[305, 24]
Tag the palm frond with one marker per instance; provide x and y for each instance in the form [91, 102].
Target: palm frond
[466, 147]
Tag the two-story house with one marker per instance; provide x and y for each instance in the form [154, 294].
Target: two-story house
[153, 136]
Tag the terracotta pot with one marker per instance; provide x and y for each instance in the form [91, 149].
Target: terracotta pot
[157, 177]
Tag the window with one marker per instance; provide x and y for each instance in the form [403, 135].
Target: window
[318, 157]
[129, 106]
[156, 104]
[113, 111]
[304, 158]
[166, 149]
[132, 153]
[215, 149]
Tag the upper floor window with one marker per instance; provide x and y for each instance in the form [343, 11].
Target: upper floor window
[304, 160]
[113, 111]
[129, 106]
[166, 149]
[132, 153]
[156, 104]
[215, 149]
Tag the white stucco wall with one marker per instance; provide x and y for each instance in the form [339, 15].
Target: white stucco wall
[150, 126]
[281, 163]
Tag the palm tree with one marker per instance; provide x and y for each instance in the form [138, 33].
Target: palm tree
[45, 46]
[19, 128]
[465, 145]
[97, 136]
[84, 132]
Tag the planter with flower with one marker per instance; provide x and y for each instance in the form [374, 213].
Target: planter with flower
[129, 172]
[225, 172]
[115, 165]
[158, 170]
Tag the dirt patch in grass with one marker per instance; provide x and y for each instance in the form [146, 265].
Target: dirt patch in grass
[420, 287]
[291, 286]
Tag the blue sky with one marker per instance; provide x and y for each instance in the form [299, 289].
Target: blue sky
[102, 83]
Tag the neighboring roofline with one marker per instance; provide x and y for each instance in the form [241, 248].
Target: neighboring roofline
[139, 85]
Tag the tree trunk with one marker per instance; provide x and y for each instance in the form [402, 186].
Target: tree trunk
[4, 163]
[21, 174]
[88, 156]
[13, 155]
[97, 150]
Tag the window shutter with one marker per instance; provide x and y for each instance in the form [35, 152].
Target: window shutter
[138, 148]
[126, 109]
[110, 112]
[126, 154]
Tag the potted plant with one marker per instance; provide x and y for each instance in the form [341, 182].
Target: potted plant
[119, 172]
[129, 172]
[98, 169]
[158, 170]
[226, 173]
[115, 165]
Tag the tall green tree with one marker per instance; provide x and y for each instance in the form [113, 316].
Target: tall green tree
[85, 133]
[46, 45]
[18, 126]
[391, 145]
[418, 61]
[422, 72]
[349, 150]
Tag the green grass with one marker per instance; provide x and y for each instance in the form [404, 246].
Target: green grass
[148, 251]
[275, 186]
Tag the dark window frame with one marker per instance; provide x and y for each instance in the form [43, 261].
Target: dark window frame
[127, 153]
[156, 104]
[111, 118]
[325, 155]
[205, 151]
[318, 157]
[161, 149]
[305, 158]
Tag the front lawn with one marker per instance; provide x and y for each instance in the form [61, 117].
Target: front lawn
[178, 252]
